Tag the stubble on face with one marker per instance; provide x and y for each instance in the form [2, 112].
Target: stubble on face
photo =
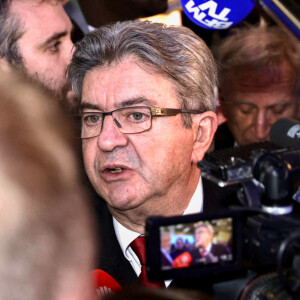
[63, 94]
[44, 47]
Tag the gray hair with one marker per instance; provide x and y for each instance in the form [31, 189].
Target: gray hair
[257, 47]
[206, 225]
[10, 32]
[174, 52]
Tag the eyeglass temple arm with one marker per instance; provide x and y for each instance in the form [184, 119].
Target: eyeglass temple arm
[156, 111]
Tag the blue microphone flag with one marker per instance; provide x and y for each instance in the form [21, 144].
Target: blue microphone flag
[217, 14]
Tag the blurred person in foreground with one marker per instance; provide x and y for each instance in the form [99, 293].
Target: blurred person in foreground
[46, 227]
[259, 82]
[147, 117]
[138, 293]
[35, 38]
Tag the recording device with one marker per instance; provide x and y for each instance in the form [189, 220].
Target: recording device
[286, 132]
[227, 229]
[254, 186]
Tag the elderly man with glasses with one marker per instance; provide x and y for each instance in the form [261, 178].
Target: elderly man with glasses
[147, 104]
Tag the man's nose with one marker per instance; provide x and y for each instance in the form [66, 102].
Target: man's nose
[262, 126]
[110, 136]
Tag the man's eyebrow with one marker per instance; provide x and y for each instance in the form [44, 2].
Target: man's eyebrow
[124, 103]
[134, 101]
[86, 105]
[54, 37]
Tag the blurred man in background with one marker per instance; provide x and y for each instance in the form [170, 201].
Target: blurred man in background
[259, 83]
[46, 227]
[165, 248]
[205, 251]
[35, 38]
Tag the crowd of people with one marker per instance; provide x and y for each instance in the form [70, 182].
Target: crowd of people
[145, 95]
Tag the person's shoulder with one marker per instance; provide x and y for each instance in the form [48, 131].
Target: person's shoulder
[220, 248]
[194, 252]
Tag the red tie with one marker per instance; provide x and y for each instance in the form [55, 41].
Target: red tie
[139, 248]
[203, 252]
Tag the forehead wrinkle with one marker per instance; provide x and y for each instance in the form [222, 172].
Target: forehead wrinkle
[125, 103]
[134, 101]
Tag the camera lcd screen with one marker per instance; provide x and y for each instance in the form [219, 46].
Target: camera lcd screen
[192, 245]
[202, 242]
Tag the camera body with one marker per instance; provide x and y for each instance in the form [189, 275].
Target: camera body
[253, 186]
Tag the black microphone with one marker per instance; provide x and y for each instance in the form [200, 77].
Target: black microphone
[286, 133]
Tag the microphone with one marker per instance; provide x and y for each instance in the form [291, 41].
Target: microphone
[182, 261]
[217, 14]
[286, 12]
[104, 283]
[286, 133]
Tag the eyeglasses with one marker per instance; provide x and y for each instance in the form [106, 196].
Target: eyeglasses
[129, 120]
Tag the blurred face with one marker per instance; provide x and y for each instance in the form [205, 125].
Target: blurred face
[202, 237]
[165, 242]
[254, 101]
[46, 45]
[136, 171]
[179, 243]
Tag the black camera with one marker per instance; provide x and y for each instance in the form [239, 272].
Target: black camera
[256, 232]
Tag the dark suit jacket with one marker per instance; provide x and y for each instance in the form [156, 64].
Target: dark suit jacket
[164, 260]
[112, 259]
[216, 251]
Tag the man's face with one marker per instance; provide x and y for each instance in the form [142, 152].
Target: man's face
[202, 237]
[254, 101]
[165, 242]
[179, 244]
[135, 170]
[46, 45]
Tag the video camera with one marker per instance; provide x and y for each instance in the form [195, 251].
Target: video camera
[254, 186]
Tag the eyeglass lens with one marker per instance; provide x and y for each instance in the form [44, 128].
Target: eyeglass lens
[128, 120]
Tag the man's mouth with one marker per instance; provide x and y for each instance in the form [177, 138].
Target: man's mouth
[115, 170]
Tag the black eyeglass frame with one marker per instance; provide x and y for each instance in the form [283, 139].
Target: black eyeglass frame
[155, 112]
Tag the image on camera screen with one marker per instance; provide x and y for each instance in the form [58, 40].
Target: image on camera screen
[194, 244]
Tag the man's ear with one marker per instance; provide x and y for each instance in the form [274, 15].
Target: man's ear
[204, 126]
[4, 65]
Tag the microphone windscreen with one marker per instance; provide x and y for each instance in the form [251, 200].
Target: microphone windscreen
[286, 133]
[217, 14]
[104, 282]
[182, 261]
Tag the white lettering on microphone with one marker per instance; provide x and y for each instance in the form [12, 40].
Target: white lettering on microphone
[294, 132]
[211, 18]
